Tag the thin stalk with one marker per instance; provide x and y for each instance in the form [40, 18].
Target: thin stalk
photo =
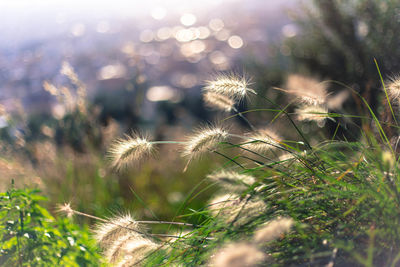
[290, 119]
[244, 118]
[384, 88]
[228, 158]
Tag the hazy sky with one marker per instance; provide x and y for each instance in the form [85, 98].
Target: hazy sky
[25, 20]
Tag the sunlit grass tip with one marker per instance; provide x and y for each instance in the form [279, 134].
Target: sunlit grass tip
[234, 86]
[129, 250]
[307, 90]
[218, 101]
[231, 208]
[317, 113]
[262, 141]
[237, 255]
[273, 230]
[204, 140]
[106, 233]
[66, 209]
[129, 150]
[393, 89]
[233, 181]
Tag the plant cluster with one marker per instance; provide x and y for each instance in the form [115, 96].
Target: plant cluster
[310, 201]
[30, 236]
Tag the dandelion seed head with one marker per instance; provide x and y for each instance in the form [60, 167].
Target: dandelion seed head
[273, 230]
[317, 113]
[218, 101]
[237, 255]
[229, 85]
[204, 140]
[308, 90]
[233, 181]
[262, 141]
[129, 150]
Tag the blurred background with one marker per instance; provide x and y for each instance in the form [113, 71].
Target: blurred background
[74, 75]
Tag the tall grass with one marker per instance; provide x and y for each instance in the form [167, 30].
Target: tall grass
[316, 200]
[281, 193]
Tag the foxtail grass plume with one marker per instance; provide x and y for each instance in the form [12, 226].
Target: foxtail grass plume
[204, 140]
[308, 90]
[218, 101]
[107, 233]
[51, 88]
[393, 89]
[229, 85]
[66, 208]
[237, 255]
[235, 210]
[262, 141]
[67, 70]
[129, 250]
[123, 241]
[129, 150]
[273, 230]
[232, 181]
[317, 113]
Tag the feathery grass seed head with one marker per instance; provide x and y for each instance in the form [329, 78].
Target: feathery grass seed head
[129, 249]
[229, 85]
[233, 209]
[204, 140]
[116, 228]
[308, 90]
[128, 150]
[317, 113]
[232, 181]
[68, 70]
[273, 230]
[237, 255]
[393, 89]
[262, 141]
[218, 101]
[66, 208]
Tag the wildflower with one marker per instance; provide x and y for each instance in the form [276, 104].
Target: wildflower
[218, 101]
[231, 86]
[232, 180]
[129, 150]
[393, 89]
[262, 141]
[237, 255]
[308, 90]
[273, 230]
[203, 141]
[317, 113]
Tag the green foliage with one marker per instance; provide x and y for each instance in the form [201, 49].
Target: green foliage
[339, 39]
[342, 196]
[31, 236]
